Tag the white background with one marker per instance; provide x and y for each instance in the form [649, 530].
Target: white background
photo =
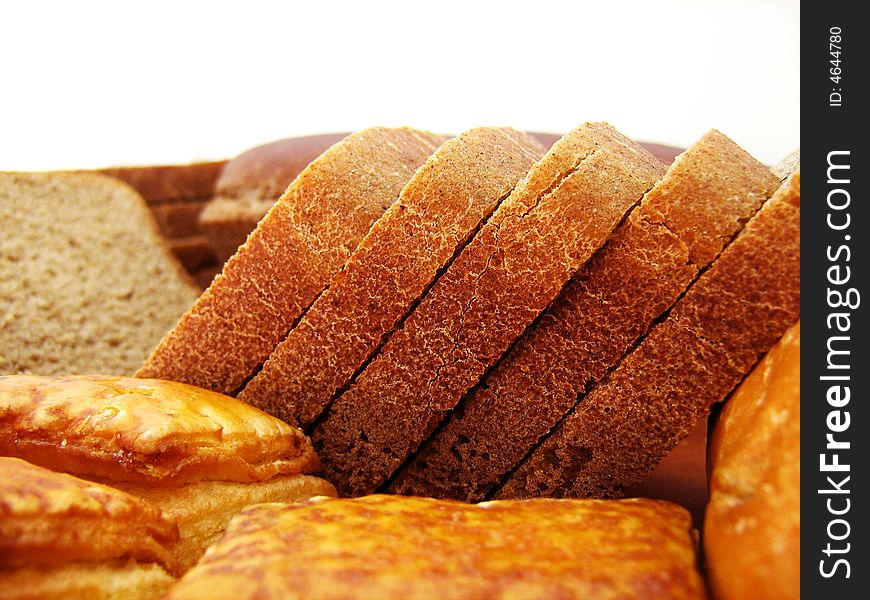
[89, 84]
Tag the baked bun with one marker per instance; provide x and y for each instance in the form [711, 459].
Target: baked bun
[198, 455]
[408, 547]
[752, 526]
[63, 537]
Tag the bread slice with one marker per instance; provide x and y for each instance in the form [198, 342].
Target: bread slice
[437, 213]
[251, 183]
[86, 283]
[420, 548]
[176, 195]
[678, 229]
[288, 260]
[514, 267]
[752, 526]
[692, 359]
[63, 537]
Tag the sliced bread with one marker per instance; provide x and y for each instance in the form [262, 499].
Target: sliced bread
[251, 183]
[437, 212]
[288, 260]
[552, 223]
[681, 225]
[86, 282]
[692, 359]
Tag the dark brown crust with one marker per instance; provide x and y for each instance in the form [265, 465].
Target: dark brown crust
[440, 208]
[679, 227]
[514, 267]
[714, 335]
[170, 183]
[288, 259]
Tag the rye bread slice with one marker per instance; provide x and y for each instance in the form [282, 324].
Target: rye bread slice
[439, 210]
[87, 284]
[681, 225]
[555, 219]
[692, 359]
[288, 259]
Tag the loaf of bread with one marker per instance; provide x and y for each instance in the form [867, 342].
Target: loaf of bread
[288, 260]
[752, 525]
[63, 537]
[692, 359]
[551, 224]
[442, 206]
[402, 547]
[251, 183]
[199, 455]
[678, 228]
[86, 282]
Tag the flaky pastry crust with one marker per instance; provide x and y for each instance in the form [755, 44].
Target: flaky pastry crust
[144, 430]
[405, 547]
[49, 518]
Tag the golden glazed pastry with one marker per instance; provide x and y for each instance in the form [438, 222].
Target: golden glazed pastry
[63, 537]
[199, 455]
[752, 529]
[406, 547]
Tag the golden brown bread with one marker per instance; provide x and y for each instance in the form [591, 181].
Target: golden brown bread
[706, 196]
[149, 431]
[692, 359]
[752, 526]
[551, 224]
[439, 210]
[64, 535]
[198, 455]
[403, 547]
[288, 260]
[249, 185]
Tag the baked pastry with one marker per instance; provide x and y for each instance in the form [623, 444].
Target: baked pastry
[692, 359]
[251, 183]
[679, 227]
[86, 282]
[551, 224]
[404, 547]
[288, 260]
[197, 454]
[438, 211]
[752, 525]
[63, 537]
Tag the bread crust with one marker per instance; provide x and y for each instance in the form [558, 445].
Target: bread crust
[706, 196]
[554, 220]
[448, 198]
[401, 547]
[149, 431]
[710, 339]
[752, 524]
[288, 260]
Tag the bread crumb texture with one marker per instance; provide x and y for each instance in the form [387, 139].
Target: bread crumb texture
[86, 284]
